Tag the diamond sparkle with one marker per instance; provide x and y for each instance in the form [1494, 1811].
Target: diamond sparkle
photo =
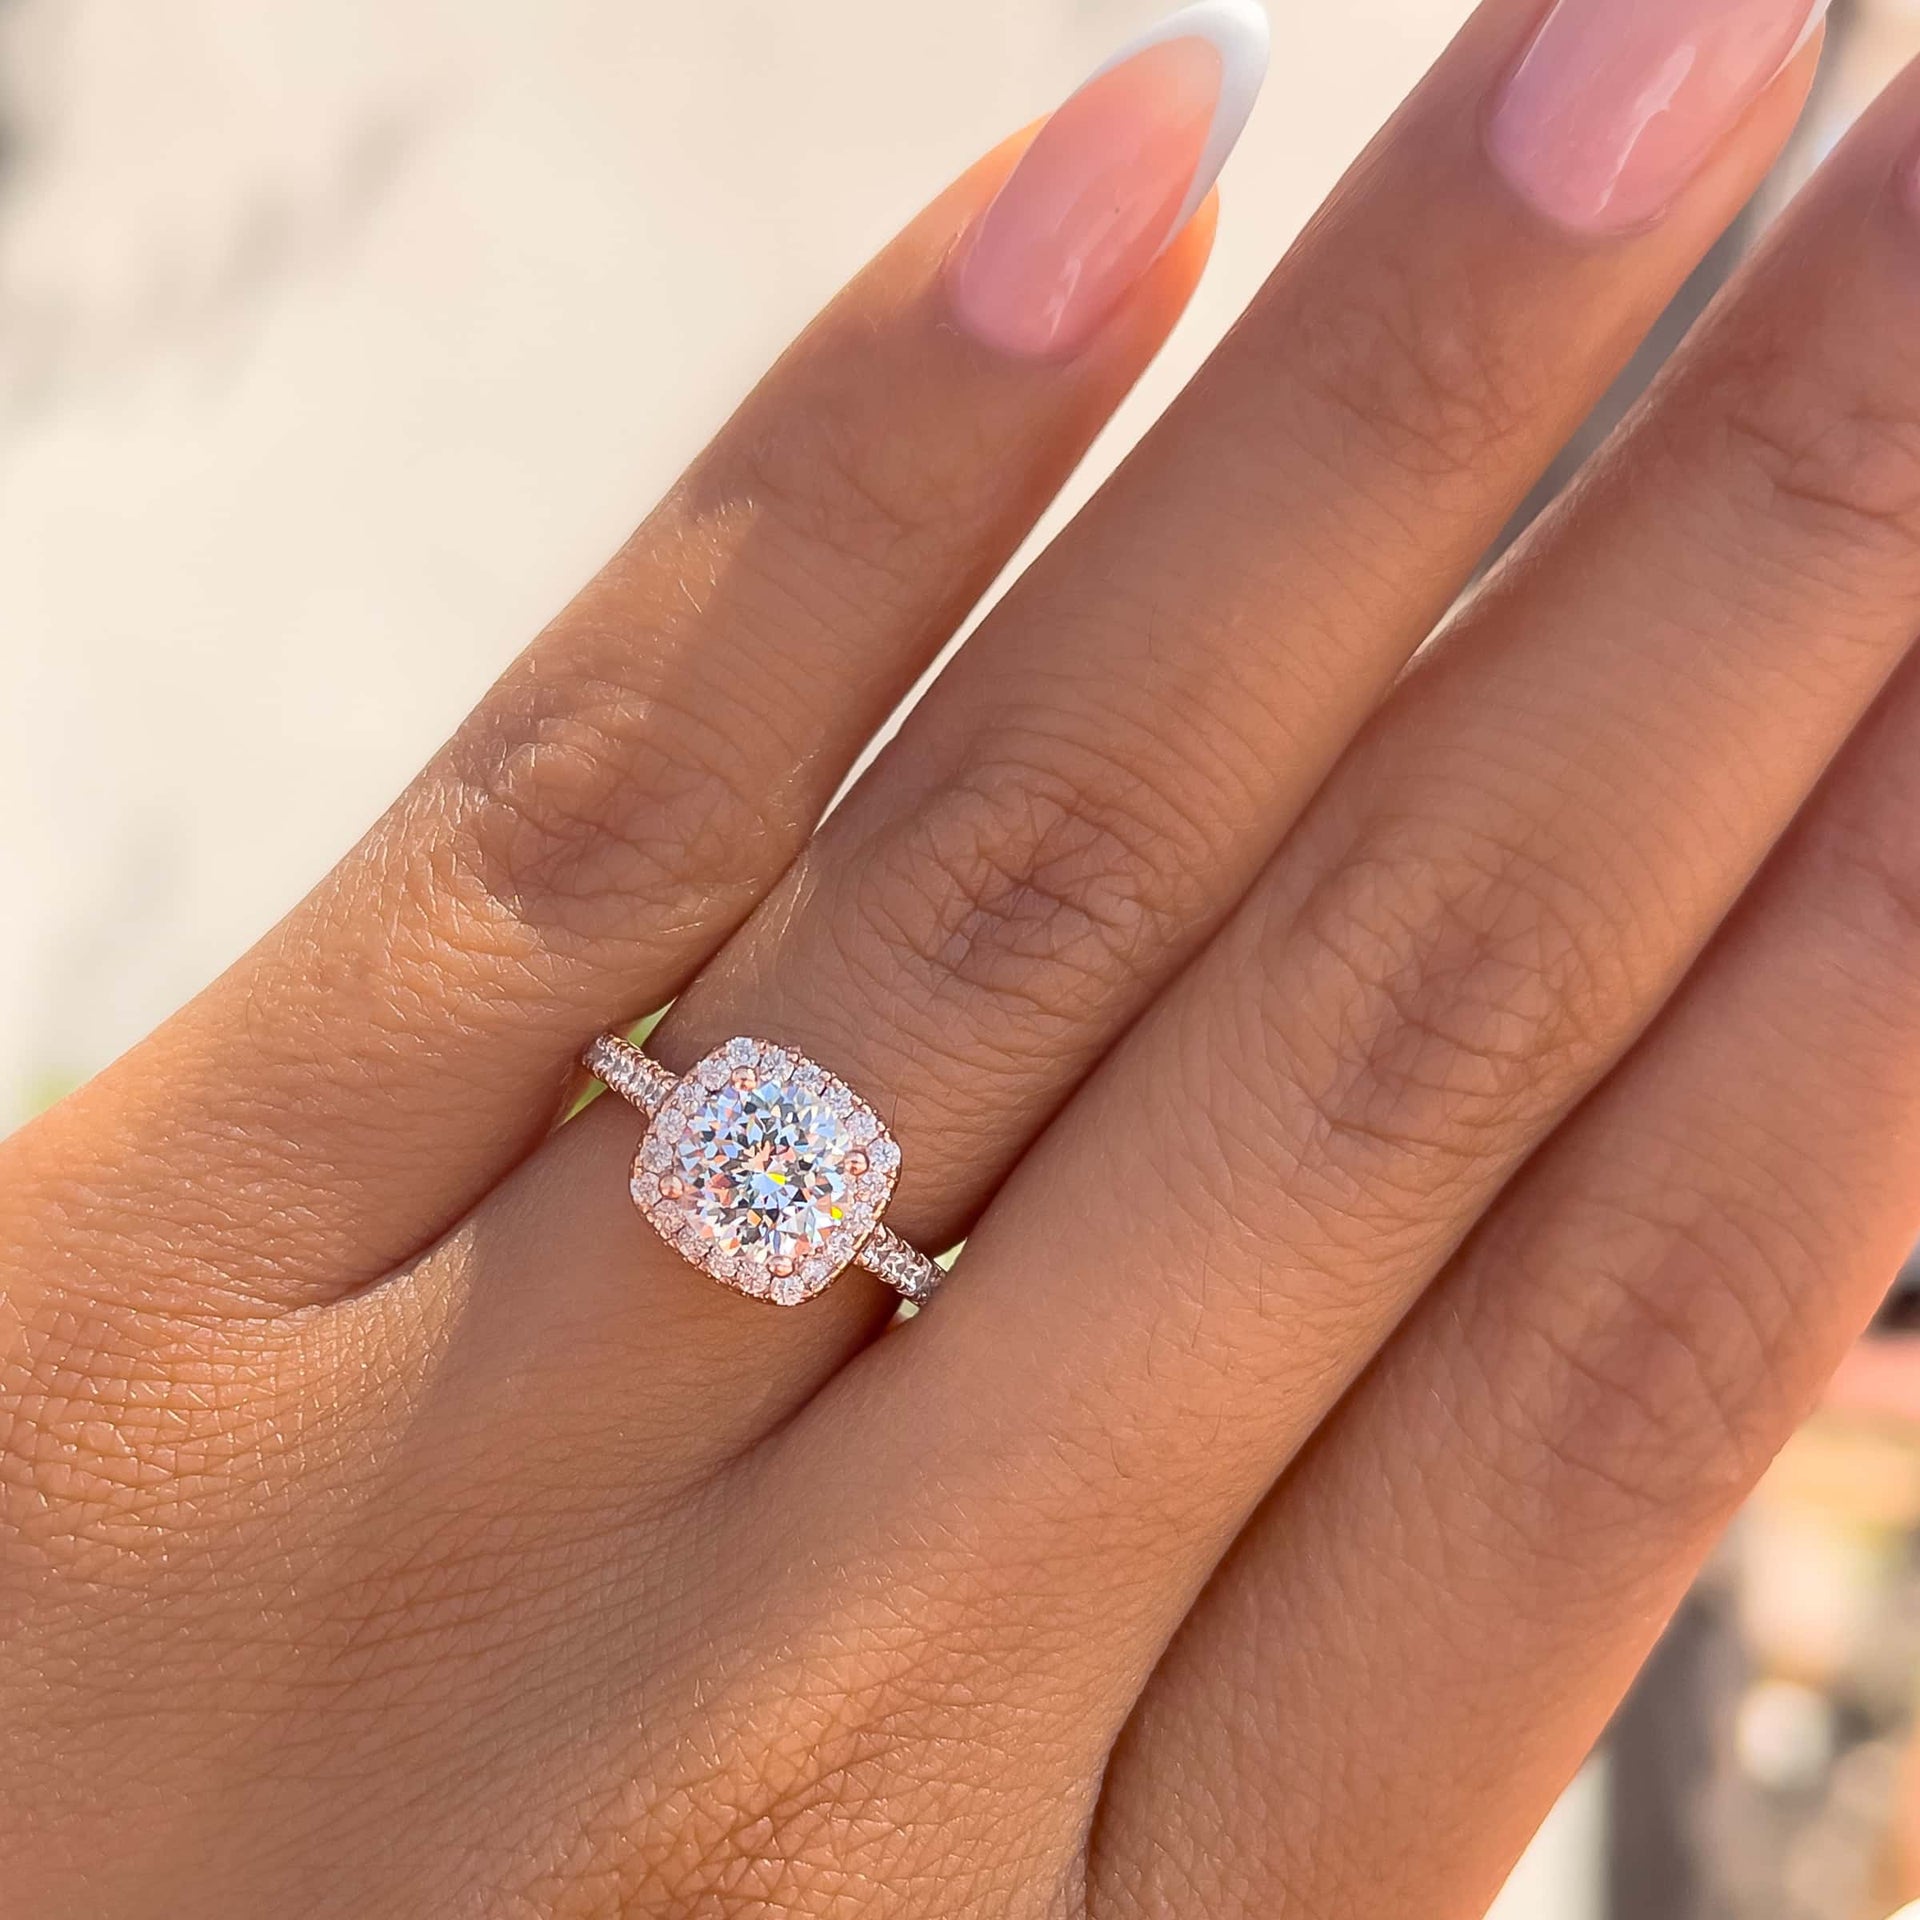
[764, 1169]
[764, 1159]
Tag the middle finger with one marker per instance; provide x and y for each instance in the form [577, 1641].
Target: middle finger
[1088, 791]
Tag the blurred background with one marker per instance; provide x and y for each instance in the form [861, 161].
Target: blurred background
[339, 339]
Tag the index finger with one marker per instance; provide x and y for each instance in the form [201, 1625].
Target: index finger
[616, 804]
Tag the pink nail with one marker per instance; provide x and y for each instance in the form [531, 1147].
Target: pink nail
[1619, 103]
[1109, 181]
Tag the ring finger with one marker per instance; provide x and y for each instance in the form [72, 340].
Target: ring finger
[1086, 793]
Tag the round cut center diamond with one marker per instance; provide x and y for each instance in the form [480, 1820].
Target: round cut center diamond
[765, 1169]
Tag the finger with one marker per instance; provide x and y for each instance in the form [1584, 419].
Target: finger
[1084, 795]
[1444, 1604]
[610, 812]
[1492, 896]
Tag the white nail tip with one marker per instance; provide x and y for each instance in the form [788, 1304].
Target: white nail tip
[1807, 32]
[1240, 35]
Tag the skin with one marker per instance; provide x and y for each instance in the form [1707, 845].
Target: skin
[1425, 1132]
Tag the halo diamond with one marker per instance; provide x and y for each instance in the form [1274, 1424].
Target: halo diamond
[765, 1171]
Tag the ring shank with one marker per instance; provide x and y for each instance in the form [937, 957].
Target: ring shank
[905, 1269]
[643, 1082]
[622, 1068]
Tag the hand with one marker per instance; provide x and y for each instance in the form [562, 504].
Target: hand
[1423, 1133]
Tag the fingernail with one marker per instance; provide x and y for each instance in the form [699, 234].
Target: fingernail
[1109, 181]
[1619, 103]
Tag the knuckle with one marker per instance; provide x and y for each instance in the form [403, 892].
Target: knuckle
[1416, 370]
[834, 1770]
[1449, 984]
[1861, 838]
[591, 808]
[818, 479]
[1031, 889]
[1808, 448]
[1657, 1389]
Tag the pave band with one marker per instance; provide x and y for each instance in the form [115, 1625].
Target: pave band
[764, 1170]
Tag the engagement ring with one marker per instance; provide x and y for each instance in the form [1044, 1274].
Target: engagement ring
[764, 1170]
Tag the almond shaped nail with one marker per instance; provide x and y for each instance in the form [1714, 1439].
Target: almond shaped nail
[1618, 104]
[1109, 182]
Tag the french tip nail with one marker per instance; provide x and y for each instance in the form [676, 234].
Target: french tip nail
[1240, 33]
[1110, 181]
[1815, 19]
